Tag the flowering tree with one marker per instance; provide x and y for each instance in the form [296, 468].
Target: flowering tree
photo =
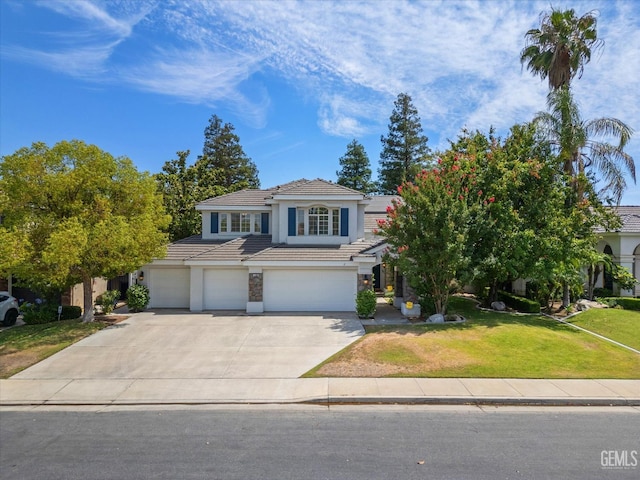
[491, 212]
[428, 227]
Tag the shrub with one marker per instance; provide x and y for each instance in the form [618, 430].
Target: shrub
[107, 301]
[70, 312]
[628, 303]
[520, 304]
[366, 303]
[137, 298]
[602, 292]
[36, 314]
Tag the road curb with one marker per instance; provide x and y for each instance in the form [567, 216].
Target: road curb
[493, 401]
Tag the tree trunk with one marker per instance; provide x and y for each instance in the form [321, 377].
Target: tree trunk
[493, 292]
[566, 294]
[87, 287]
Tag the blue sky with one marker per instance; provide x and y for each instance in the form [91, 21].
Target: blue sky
[298, 80]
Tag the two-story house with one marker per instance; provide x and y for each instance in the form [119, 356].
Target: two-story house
[301, 246]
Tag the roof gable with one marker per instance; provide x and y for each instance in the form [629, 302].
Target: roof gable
[317, 187]
[260, 198]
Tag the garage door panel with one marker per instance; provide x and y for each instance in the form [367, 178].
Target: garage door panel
[169, 288]
[309, 290]
[226, 289]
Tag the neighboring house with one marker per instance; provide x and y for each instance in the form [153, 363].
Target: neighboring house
[623, 246]
[303, 246]
[71, 296]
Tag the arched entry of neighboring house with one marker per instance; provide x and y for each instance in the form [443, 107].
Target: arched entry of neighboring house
[608, 278]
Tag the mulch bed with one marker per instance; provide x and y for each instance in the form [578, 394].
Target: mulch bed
[111, 319]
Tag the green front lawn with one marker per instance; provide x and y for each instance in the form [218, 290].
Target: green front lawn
[23, 346]
[488, 345]
[620, 325]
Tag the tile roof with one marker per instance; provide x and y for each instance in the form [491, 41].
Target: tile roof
[630, 217]
[376, 210]
[317, 187]
[241, 198]
[258, 198]
[188, 247]
[328, 253]
[237, 249]
[379, 203]
[259, 247]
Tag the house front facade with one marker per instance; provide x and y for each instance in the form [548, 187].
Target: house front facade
[301, 246]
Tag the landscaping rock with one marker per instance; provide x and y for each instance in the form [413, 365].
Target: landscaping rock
[436, 318]
[499, 306]
[583, 305]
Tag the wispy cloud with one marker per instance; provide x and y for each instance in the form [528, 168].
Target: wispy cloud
[459, 60]
[83, 50]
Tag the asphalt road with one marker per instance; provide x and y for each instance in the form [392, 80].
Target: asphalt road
[313, 442]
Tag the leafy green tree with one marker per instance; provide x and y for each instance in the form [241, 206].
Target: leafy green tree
[582, 145]
[77, 213]
[222, 168]
[404, 150]
[560, 48]
[517, 226]
[178, 185]
[223, 162]
[356, 169]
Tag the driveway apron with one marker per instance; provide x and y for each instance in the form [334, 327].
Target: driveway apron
[169, 344]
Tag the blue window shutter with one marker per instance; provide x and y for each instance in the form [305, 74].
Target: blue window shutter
[264, 227]
[292, 221]
[344, 222]
[214, 222]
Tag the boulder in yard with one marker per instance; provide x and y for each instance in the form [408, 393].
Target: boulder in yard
[498, 306]
[436, 318]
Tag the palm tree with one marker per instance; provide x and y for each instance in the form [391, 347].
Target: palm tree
[582, 144]
[561, 47]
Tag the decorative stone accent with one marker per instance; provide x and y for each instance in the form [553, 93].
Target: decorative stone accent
[410, 309]
[436, 318]
[365, 286]
[255, 287]
[499, 306]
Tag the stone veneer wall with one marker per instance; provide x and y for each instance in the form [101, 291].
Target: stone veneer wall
[361, 284]
[255, 287]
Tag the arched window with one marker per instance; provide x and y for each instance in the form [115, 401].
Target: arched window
[318, 221]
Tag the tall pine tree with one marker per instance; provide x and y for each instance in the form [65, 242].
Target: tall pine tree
[223, 162]
[222, 168]
[356, 169]
[404, 150]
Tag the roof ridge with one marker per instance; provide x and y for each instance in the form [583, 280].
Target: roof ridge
[259, 253]
[215, 247]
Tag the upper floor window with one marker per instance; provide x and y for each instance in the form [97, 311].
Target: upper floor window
[318, 221]
[240, 222]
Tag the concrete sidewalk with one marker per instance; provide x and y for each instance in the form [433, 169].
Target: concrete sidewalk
[454, 391]
[227, 359]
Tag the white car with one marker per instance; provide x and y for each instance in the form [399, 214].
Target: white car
[9, 309]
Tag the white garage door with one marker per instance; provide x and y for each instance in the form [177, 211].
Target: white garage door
[169, 287]
[226, 289]
[309, 290]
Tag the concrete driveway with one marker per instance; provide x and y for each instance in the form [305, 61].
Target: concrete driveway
[168, 344]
